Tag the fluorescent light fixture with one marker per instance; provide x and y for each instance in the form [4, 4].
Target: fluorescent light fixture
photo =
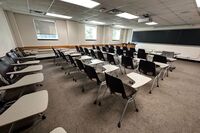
[58, 15]
[127, 15]
[97, 22]
[84, 3]
[119, 26]
[151, 23]
[198, 3]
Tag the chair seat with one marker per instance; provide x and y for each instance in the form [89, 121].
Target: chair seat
[129, 91]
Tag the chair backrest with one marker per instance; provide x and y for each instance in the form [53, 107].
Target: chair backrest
[98, 48]
[77, 49]
[5, 67]
[79, 64]
[12, 55]
[168, 54]
[127, 61]
[81, 50]
[100, 55]
[21, 51]
[119, 51]
[125, 48]
[110, 58]
[59, 52]
[71, 60]
[55, 52]
[93, 47]
[111, 50]
[104, 49]
[91, 73]
[142, 54]
[93, 53]
[117, 47]
[64, 57]
[87, 51]
[160, 58]
[115, 85]
[132, 49]
[111, 46]
[147, 67]
[129, 53]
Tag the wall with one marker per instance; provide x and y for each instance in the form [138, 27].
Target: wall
[70, 32]
[6, 39]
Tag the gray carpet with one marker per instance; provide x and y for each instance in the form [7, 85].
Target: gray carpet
[174, 107]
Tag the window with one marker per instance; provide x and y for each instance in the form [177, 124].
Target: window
[90, 32]
[116, 33]
[45, 30]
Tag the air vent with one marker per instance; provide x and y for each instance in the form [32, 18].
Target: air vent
[114, 11]
[37, 12]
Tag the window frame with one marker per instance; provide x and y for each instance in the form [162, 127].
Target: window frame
[119, 34]
[41, 39]
[89, 25]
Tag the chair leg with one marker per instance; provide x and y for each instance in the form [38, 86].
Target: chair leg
[103, 83]
[103, 96]
[152, 85]
[136, 109]
[120, 120]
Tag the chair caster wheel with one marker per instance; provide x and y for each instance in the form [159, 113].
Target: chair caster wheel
[119, 125]
[157, 85]
[68, 73]
[99, 103]
[95, 102]
[149, 92]
[161, 79]
[44, 117]
[136, 110]
[41, 85]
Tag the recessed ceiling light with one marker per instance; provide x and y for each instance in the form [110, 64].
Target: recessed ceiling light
[198, 3]
[127, 15]
[84, 3]
[58, 15]
[97, 22]
[151, 23]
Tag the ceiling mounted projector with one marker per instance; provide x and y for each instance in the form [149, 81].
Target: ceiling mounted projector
[144, 19]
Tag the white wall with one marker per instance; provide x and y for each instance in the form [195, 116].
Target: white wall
[70, 32]
[6, 38]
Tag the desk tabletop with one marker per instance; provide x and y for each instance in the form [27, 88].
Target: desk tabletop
[32, 68]
[26, 106]
[75, 54]
[139, 79]
[58, 130]
[24, 81]
[161, 65]
[26, 63]
[47, 55]
[85, 57]
[110, 68]
[96, 61]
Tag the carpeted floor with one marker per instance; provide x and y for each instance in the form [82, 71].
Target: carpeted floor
[174, 107]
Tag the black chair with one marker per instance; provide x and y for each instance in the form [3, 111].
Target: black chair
[128, 93]
[93, 47]
[149, 68]
[133, 50]
[127, 62]
[87, 51]
[56, 55]
[93, 53]
[129, 53]
[125, 48]
[160, 58]
[110, 58]
[111, 50]
[119, 51]
[111, 46]
[142, 54]
[77, 49]
[91, 73]
[100, 55]
[98, 48]
[104, 49]
[117, 47]
[81, 50]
